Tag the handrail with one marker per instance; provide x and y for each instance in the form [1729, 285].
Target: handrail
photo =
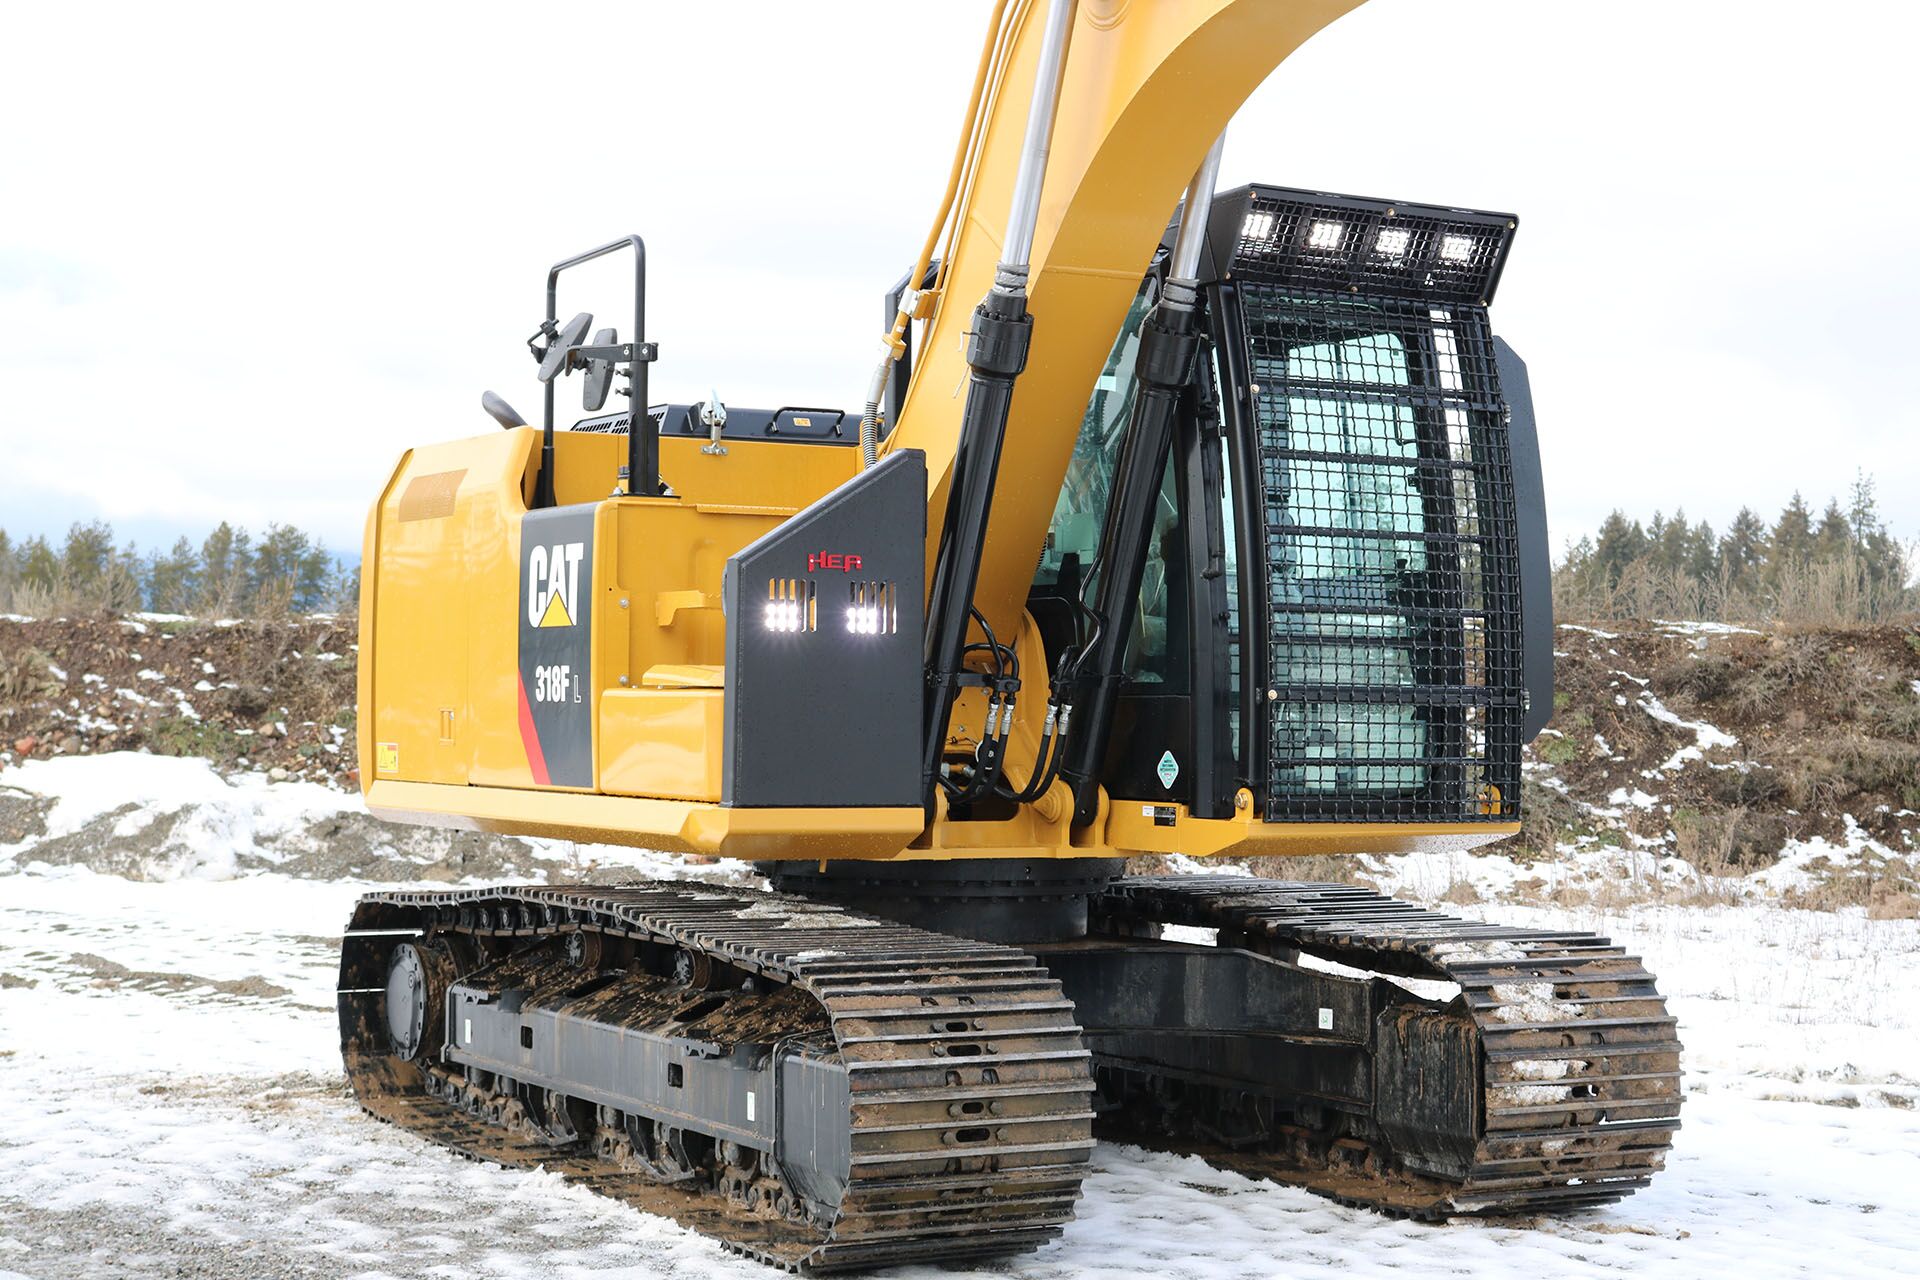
[643, 436]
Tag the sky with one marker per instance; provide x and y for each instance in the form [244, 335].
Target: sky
[249, 253]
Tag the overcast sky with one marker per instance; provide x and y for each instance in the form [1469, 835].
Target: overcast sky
[248, 254]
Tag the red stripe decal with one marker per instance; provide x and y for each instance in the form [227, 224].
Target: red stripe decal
[530, 739]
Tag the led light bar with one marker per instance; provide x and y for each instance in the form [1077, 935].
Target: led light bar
[873, 609]
[791, 605]
[1353, 245]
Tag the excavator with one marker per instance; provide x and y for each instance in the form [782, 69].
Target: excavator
[1176, 524]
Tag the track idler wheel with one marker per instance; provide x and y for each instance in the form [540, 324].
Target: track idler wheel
[418, 975]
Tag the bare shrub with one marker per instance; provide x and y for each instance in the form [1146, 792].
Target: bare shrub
[1706, 678]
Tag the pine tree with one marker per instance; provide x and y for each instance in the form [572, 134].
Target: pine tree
[1656, 535]
[1863, 509]
[86, 558]
[1833, 538]
[1792, 540]
[1703, 554]
[1671, 542]
[173, 579]
[1744, 548]
[226, 572]
[1885, 563]
[1846, 562]
[39, 564]
[1620, 543]
[289, 567]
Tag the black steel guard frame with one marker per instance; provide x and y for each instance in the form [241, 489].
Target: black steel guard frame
[643, 435]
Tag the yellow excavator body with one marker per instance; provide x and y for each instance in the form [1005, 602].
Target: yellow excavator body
[1152, 85]
[440, 723]
[1176, 524]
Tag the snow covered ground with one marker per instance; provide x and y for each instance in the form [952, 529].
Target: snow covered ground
[173, 1107]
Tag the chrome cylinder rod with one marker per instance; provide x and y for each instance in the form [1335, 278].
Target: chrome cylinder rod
[1024, 214]
[1183, 269]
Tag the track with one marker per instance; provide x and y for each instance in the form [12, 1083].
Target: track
[969, 1123]
[1577, 1064]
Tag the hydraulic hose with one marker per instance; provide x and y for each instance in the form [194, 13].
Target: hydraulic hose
[996, 355]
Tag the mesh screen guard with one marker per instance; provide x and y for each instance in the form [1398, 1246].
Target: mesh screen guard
[1393, 635]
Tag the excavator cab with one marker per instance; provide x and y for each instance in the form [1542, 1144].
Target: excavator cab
[1344, 610]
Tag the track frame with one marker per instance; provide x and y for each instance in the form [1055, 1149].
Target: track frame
[963, 1128]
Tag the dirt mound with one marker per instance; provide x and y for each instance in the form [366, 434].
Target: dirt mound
[1726, 746]
[109, 847]
[149, 842]
[23, 815]
[251, 694]
[359, 846]
[110, 973]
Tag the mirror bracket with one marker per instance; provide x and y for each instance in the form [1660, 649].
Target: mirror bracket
[542, 338]
[619, 353]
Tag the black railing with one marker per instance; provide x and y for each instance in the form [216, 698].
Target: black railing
[643, 446]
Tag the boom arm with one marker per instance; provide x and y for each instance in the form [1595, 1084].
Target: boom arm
[1150, 86]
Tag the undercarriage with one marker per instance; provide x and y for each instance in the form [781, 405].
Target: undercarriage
[826, 1089]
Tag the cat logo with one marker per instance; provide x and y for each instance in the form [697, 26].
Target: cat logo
[553, 584]
[556, 645]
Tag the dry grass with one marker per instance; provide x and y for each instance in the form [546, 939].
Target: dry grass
[1316, 868]
[25, 674]
[1895, 906]
[1545, 816]
[1825, 773]
[1831, 593]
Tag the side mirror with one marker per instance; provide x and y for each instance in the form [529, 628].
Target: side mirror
[571, 335]
[599, 379]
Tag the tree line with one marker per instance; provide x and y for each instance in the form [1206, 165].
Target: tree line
[229, 574]
[1839, 567]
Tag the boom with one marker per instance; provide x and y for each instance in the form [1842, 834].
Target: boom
[1152, 86]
